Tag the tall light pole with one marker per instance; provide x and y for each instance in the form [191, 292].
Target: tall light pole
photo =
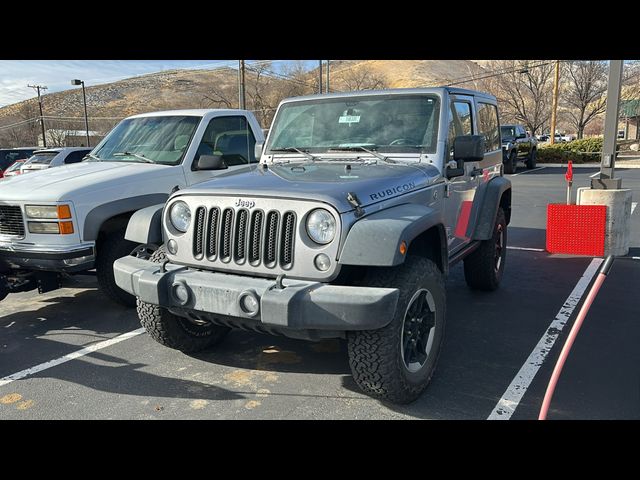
[554, 107]
[84, 99]
[241, 85]
[38, 88]
[319, 76]
[327, 89]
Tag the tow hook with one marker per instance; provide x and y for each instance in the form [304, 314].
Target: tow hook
[278, 285]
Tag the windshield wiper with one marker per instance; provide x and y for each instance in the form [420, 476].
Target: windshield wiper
[294, 149]
[355, 148]
[132, 154]
[92, 156]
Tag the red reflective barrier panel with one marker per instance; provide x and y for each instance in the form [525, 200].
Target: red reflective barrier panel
[576, 229]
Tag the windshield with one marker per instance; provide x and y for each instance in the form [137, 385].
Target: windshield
[385, 123]
[161, 140]
[508, 132]
[15, 166]
[43, 158]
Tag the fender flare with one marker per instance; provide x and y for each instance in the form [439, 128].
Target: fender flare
[145, 225]
[375, 239]
[96, 217]
[485, 208]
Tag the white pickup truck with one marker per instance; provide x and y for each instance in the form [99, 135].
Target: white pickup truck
[72, 219]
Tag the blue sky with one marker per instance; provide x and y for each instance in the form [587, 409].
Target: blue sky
[57, 74]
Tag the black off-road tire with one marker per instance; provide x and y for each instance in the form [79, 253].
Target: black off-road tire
[512, 163]
[112, 247]
[531, 161]
[375, 356]
[480, 270]
[173, 331]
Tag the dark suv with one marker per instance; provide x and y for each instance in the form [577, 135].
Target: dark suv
[517, 145]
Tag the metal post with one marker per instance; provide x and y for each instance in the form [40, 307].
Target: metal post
[241, 85]
[327, 89]
[608, 162]
[319, 76]
[38, 88]
[554, 108]
[86, 118]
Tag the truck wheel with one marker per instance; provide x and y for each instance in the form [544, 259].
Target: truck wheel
[511, 164]
[113, 247]
[484, 267]
[531, 161]
[173, 331]
[396, 362]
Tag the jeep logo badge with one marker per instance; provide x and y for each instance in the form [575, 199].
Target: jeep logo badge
[245, 203]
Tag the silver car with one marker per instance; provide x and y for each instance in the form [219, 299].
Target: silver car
[53, 157]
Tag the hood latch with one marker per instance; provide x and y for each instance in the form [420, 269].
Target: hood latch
[352, 198]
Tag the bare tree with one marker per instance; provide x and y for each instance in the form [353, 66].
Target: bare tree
[523, 89]
[584, 94]
[220, 97]
[359, 77]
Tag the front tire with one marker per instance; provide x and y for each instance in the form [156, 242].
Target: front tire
[511, 164]
[484, 267]
[531, 161]
[111, 248]
[396, 362]
[173, 331]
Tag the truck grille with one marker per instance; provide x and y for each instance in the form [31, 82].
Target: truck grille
[241, 236]
[11, 221]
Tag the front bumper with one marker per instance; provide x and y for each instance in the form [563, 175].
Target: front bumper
[48, 258]
[299, 305]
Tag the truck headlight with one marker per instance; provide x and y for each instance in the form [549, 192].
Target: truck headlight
[180, 216]
[48, 211]
[321, 226]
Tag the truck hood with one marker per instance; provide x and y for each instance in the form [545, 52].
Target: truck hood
[328, 182]
[66, 182]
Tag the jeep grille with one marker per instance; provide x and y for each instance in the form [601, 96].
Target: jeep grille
[235, 234]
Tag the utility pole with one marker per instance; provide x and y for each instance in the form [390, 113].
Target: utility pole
[241, 85]
[319, 76]
[608, 162]
[554, 108]
[38, 88]
[327, 89]
[84, 100]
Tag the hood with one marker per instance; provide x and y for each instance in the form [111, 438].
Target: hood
[68, 181]
[328, 182]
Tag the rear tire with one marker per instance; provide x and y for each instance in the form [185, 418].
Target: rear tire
[484, 267]
[531, 161]
[173, 331]
[511, 163]
[112, 247]
[396, 362]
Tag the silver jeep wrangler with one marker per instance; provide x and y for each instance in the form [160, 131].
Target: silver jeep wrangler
[347, 228]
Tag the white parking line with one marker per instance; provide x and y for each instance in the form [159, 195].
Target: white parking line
[633, 206]
[520, 383]
[527, 171]
[70, 356]
[528, 249]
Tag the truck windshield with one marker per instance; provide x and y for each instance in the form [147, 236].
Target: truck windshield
[383, 123]
[161, 140]
[43, 158]
[508, 132]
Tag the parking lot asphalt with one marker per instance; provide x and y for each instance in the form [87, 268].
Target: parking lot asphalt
[489, 339]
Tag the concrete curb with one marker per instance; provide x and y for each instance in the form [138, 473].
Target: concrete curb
[619, 164]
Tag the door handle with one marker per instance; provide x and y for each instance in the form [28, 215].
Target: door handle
[475, 172]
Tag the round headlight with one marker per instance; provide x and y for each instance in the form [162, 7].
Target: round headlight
[321, 226]
[180, 216]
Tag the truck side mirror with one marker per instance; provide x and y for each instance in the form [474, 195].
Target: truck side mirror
[468, 148]
[258, 150]
[522, 135]
[211, 162]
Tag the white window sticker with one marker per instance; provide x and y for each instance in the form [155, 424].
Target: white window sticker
[349, 119]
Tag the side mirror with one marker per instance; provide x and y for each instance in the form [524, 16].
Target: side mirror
[211, 162]
[522, 135]
[258, 150]
[468, 148]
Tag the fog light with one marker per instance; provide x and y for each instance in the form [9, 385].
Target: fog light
[180, 292]
[249, 303]
[172, 246]
[322, 262]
